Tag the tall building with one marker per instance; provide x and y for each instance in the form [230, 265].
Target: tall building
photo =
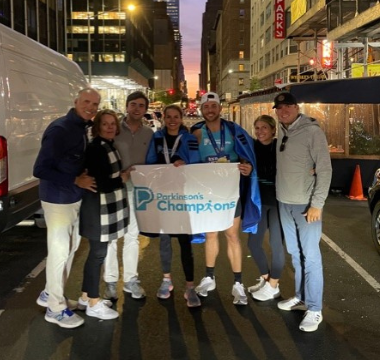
[173, 10]
[232, 49]
[112, 45]
[164, 51]
[207, 80]
[43, 21]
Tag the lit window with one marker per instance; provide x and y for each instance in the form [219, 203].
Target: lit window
[241, 54]
[241, 67]
[241, 81]
[111, 30]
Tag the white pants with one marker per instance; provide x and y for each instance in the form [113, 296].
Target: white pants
[63, 240]
[130, 248]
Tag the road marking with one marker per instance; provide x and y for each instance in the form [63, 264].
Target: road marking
[364, 274]
[37, 270]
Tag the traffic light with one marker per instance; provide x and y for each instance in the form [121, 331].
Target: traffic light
[170, 92]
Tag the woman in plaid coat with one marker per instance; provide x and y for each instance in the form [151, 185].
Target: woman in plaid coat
[104, 214]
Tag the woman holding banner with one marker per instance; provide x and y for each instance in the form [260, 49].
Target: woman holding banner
[174, 145]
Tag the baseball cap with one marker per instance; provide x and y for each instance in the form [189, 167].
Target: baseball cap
[284, 98]
[210, 96]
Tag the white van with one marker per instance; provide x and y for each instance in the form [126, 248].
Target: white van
[37, 85]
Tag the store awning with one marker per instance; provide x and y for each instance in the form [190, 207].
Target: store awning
[343, 91]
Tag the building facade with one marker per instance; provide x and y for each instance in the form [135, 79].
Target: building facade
[43, 21]
[232, 49]
[113, 45]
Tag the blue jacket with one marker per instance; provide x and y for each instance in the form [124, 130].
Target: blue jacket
[61, 159]
[249, 186]
[187, 149]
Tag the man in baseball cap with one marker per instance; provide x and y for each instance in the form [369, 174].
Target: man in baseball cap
[210, 96]
[284, 98]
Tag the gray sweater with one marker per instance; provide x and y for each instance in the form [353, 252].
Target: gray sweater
[133, 147]
[306, 149]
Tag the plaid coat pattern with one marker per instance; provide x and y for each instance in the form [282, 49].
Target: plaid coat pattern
[113, 205]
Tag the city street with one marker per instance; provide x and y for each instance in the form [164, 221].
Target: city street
[154, 329]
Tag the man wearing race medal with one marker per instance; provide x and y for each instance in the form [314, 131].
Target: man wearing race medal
[224, 141]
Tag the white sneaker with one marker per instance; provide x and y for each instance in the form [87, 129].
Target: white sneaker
[101, 311]
[311, 320]
[65, 318]
[239, 294]
[267, 292]
[291, 304]
[207, 284]
[82, 304]
[258, 286]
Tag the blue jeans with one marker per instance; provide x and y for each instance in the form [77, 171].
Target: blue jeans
[302, 243]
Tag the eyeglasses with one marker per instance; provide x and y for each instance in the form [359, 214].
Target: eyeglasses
[283, 142]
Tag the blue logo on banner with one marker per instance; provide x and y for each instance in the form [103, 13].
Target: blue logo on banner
[143, 196]
[178, 202]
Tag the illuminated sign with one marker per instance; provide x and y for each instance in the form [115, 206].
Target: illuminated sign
[357, 70]
[279, 19]
[327, 54]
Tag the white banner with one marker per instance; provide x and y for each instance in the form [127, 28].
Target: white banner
[188, 199]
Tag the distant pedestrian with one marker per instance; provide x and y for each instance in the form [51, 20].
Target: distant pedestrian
[301, 194]
[224, 141]
[174, 145]
[132, 144]
[265, 151]
[60, 168]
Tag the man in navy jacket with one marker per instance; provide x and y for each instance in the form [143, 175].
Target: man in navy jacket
[59, 166]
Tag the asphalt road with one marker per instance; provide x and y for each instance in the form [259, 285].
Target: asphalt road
[153, 329]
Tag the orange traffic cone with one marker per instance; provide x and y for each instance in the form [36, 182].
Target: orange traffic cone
[356, 191]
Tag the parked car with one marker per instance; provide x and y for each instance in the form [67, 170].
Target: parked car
[374, 207]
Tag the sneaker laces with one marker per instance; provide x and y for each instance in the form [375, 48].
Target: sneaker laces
[240, 288]
[312, 316]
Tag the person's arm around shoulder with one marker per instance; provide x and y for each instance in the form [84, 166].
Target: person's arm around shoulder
[322, 173]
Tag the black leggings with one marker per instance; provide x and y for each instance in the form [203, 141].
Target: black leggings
[270, 220]
[92, 268]
[186, 254]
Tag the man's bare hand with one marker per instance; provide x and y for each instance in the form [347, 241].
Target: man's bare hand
[313, 214]
[86, 182]
[179, 163]
[245, 169]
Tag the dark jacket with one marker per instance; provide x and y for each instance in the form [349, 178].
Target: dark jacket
[61, 159]
[266, 171]
[98, 165]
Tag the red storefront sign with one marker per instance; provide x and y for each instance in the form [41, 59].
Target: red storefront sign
[279, 19]
[327, 54]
